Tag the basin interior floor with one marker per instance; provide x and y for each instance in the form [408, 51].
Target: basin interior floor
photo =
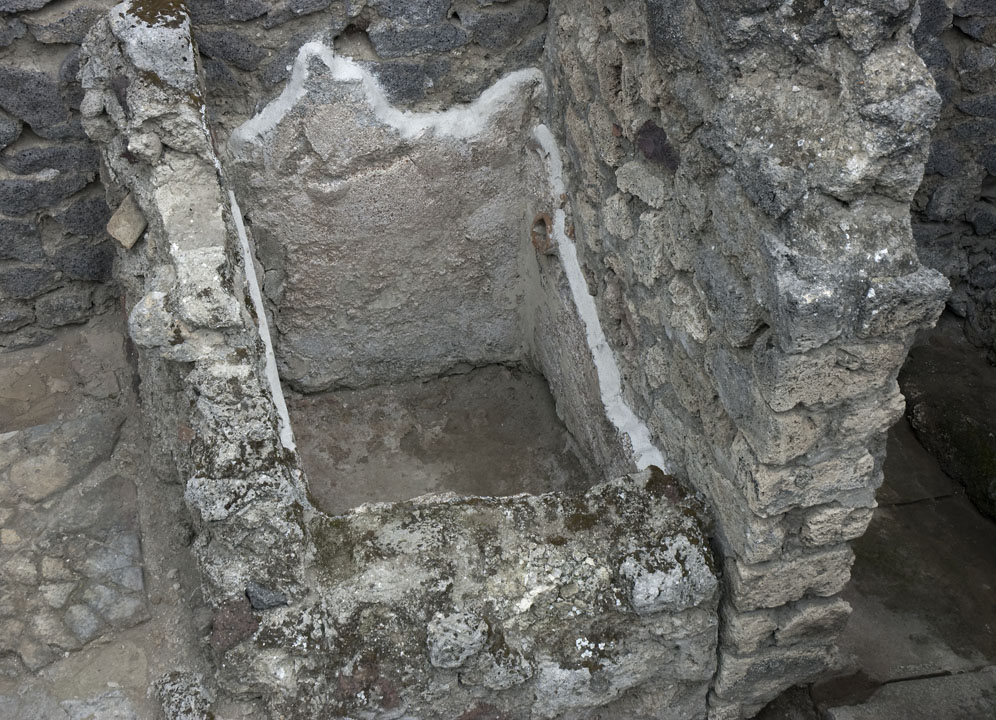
[493, 431]
[921, 641]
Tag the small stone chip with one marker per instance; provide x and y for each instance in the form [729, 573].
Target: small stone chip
[263, 598]
[127, 223]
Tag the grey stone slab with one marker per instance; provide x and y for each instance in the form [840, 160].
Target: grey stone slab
[968, 696]
[33, 97]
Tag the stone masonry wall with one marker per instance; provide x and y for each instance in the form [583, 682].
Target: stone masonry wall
[955, 207]
[55, 256]
[742, 172]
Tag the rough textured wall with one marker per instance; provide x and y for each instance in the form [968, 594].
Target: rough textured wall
[955, 207]
[742, 173]
[426, 54]
[55, 256]
[392, 243]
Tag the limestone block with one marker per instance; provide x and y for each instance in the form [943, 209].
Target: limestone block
[771, 490]
[759, 677]
[823, 572]
[895, 303]
[804, 621]
[823, 376]
[775, 437]
[638, 178]
[831, 525]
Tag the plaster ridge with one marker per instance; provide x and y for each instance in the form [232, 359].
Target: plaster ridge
[621, 415]
[458, 122]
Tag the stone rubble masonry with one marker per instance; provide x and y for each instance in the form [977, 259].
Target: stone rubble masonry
[529, 606]
[741, 176]
[954, 210]
[55, 257]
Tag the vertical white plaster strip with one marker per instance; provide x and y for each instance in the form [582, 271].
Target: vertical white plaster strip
[459, 122]
[286, 432]
[609, 381]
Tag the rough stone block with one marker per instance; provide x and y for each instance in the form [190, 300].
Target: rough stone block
[12, 6]
[424, 12]
[392, 38]
[11, 29]
[127, 223]
[85, 261]
[33, 97]
[66, 23]
[497, 27]
[65, 157]
[729, 297]
[771, 489]
[810, 621]
[776, 437]
[637, 178]
[15, 315]
[22, 196]
[10, 129]
[87, 216]
[19, 282]
[222, 11]
[832, 525]
[65, 306]
[20, 241]
[822, 376]
[230, 47]
[823, 572]
[760, 677]
[406, 81]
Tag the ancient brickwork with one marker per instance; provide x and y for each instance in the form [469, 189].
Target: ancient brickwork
[955, 207]
[55, 256]
[741, 178]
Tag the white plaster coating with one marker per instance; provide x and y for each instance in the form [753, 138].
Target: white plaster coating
[286, 431]
[459, 122]
[645, 453]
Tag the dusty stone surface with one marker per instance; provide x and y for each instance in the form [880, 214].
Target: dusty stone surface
[422, 270]
[969, 695]
[100, 595]
[492, 431]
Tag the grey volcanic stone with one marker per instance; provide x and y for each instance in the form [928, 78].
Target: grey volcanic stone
[279, 68]
[230, 47]
[25, 281]
[65, 306]
[14, 315]
[22, 196]
[184, 696]
[9, 129]
[87, 216]
[20, 241]
[423, 12]
[406, 82]
[66, 24]
[85, 261]
[66, 158]
[455, 638]
[10, 6]
[11, 29]
[33, 97]
[220, 11]
[263, 598]
[392, 38]
[500, 26]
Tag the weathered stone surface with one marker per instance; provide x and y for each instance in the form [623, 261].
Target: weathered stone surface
[20, 282]
[65, 157]
[501, 25]
[86, 261]
[264, 598]
[231, 47]
[11, 6]
[19, 197]
[393, 38]
[184, 696]
[800, 622]
[559, 612]
[11, 29]
[823, 572]
[65, 306]
[10, 128]
[88, 216]
[397, 266]
[20, 241]
[66, 24]
[967, 695]
[34, 98]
